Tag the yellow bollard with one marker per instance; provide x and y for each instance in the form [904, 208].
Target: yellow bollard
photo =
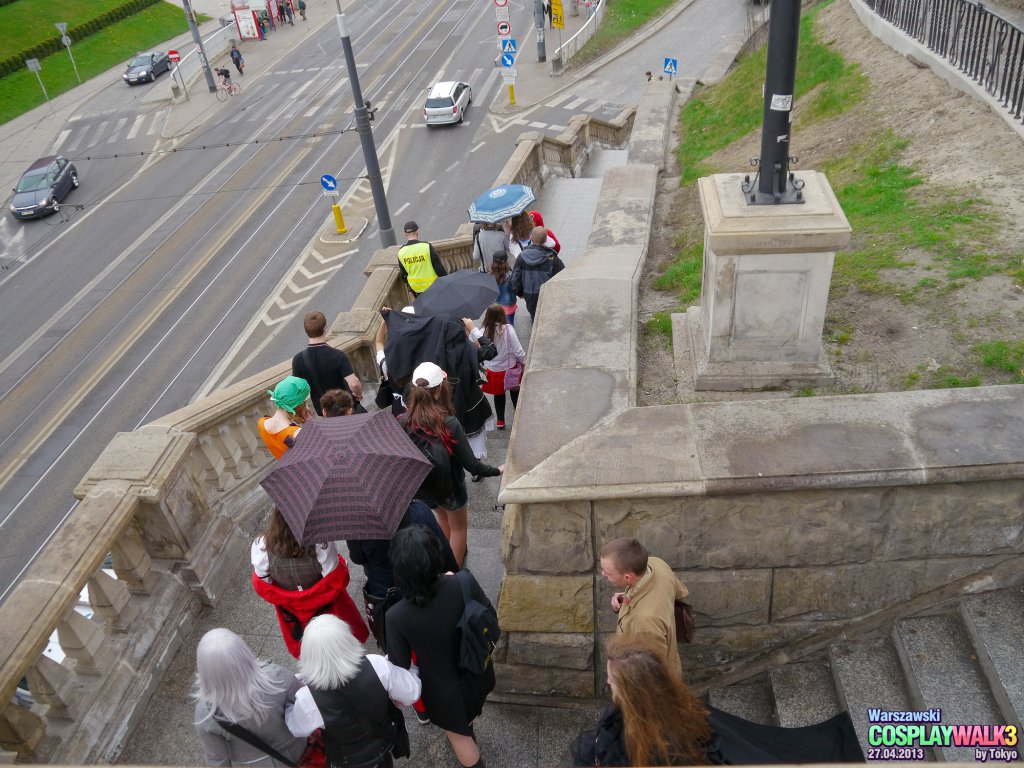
[512, 95]
[339, 219]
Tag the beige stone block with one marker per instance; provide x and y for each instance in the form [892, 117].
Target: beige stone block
[729, 597]
[848, 591]
[544, 681]
[540, 649]
[956, 519]
[546, 604]
[790, 528]
[548, 538]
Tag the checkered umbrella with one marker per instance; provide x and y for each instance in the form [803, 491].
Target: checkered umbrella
[347, 477]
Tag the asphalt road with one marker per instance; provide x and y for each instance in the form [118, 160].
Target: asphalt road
[181, 272]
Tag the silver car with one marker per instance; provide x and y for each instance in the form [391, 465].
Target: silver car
[447, 103]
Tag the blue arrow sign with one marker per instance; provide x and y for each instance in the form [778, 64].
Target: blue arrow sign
[671, 66]
[328, 182]
[508, 46]
[508, 60]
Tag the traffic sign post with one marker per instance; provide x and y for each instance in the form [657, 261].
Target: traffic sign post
[34, 66]
[62, 26]
[330, 185]
[507, 48]
[174, 56]
[671, 67]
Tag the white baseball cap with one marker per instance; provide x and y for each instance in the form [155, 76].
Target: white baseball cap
[431, 373]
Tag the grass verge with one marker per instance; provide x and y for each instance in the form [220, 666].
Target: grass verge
[996, 361]
[95, 54]
[621, 18]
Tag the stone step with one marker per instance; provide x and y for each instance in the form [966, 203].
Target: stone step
[751, 701]
[804, 693]
[867, 674]
[942, 671]
[995, 624]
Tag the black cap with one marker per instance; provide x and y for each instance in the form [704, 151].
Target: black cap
[411, 226]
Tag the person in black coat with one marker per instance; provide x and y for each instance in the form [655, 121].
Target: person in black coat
[425, 623]
[655, 719]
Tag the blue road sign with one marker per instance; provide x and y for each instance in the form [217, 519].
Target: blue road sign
[328, 182]
[508, 46]
[671, 66]
[508, 60]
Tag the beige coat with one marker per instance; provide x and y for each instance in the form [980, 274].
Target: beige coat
[651, 611]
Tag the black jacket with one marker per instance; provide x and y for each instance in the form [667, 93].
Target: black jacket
[534, 266]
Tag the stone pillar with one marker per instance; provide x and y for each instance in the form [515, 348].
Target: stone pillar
[765, 287]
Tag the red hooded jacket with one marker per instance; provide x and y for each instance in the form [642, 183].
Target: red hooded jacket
[538, 221]
[295, 608]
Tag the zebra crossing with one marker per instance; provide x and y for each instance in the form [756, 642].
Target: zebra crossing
[83, 134]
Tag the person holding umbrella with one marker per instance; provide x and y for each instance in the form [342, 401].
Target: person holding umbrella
[418, 260]
[278, 432]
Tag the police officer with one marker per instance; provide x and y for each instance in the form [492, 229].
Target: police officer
[418, 260]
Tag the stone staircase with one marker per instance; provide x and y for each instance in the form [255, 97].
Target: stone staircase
[969, 663]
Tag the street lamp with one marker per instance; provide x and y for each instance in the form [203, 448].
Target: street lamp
[63, 27]
[363, 117]
[194, 28]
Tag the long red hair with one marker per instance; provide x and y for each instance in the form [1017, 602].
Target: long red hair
[665, 723]
[426, 409]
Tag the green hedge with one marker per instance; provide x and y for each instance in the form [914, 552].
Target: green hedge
[7, 2]
[53, 44]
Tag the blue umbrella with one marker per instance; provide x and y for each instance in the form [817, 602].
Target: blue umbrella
[501, 203]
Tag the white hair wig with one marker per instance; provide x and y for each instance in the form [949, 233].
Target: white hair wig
[330, 655]
[231, 679]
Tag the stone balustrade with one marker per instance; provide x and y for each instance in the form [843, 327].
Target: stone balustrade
[161, 508]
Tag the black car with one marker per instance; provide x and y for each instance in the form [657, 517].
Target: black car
[47, 181]
[146, 66]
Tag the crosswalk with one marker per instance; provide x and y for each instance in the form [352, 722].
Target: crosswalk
[82, 134]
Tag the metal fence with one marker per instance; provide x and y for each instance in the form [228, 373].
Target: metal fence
[190, 67]
[986, 47]
[571, 47]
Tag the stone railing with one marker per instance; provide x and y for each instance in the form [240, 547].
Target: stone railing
[162, 508]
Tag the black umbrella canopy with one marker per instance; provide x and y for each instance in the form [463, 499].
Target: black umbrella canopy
[466, 293]
[348, 477]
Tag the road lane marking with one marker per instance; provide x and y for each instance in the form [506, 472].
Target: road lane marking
[452, 167]
[136, 126]
[432, 183]
[474, 149]
[574, 103]
[61, 138]
[117, 129]
[404, 206]
[558, 100]
[538, 125]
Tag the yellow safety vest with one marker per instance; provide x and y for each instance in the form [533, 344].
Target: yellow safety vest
[416, 260]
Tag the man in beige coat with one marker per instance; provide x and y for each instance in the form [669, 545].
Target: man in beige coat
[647, 603]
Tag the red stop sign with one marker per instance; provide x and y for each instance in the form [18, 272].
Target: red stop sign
[174, 56]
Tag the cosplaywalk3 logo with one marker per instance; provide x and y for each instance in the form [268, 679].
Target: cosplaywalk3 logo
[906, 734]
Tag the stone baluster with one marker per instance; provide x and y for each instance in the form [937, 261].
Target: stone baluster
[83, 640]
[246, 433]
[213, 452]
[111, 600]
[53, 685]
[21, 730]
[132, 563]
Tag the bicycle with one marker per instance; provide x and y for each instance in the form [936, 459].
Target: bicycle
[227, 88]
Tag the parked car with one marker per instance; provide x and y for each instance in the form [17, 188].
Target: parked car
[46, 182]
[447, 103]
[146, 66]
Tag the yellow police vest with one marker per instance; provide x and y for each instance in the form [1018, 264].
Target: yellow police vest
[416, 260]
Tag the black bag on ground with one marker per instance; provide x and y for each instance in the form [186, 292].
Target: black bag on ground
[478, 629]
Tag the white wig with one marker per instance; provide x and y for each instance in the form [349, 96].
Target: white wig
[231, 679]
[330, 654]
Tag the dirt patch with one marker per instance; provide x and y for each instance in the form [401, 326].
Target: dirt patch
[880, 342]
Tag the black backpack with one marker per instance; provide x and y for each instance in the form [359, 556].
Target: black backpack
[437, 486]
[478, 630]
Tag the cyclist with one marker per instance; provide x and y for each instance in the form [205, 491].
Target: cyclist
[225, 76]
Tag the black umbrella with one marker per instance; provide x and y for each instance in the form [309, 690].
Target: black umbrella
[466, 293]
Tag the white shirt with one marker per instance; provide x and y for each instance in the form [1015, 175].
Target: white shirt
[327, 554]
[510, 351]
[402, 685]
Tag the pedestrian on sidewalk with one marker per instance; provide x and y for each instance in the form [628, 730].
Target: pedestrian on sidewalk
[487, 238]
[239, 696]
[280, 12]
[336, 402]
[646, 604]
[418, 260]
[506, 296]
[323, 366]
[426, 623]
[236, 59]
[302, 9]
[288, 12]
[535, 266]
[279, 430]
[505, 371]
[352, 695]
[518, 230]
[552, 241]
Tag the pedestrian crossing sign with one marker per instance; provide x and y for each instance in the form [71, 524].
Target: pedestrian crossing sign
[671, 66]
[508, 46]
